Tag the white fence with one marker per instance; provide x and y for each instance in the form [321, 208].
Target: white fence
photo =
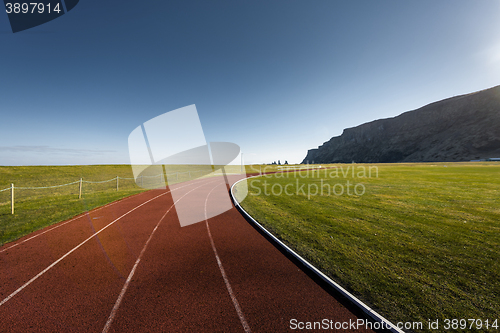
[142, 181]
[13, 189]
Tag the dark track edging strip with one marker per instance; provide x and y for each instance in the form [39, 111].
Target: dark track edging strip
[353, 303]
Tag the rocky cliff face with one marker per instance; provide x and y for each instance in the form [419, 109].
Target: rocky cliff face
[460, 128]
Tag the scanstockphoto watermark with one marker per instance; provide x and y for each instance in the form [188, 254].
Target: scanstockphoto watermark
[331, 181]
[328, 324]
[469, 324]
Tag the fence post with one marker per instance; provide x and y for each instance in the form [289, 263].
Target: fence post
[117, 182]
[12, 197]
[80, 195]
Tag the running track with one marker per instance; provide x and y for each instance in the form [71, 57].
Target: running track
[130, 267]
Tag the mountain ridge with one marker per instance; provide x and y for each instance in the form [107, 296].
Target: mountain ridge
[459, 128]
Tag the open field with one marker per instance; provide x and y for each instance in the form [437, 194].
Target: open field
[415, 241]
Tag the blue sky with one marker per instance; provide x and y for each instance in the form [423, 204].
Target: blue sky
[275, 77]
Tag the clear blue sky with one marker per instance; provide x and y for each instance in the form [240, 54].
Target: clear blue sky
[275, 77]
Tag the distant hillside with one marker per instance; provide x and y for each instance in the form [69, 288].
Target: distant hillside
[460, 128]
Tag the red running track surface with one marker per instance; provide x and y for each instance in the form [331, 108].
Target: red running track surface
[130, 267]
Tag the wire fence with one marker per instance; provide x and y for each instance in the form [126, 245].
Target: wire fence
[17, 194]
[32, 196]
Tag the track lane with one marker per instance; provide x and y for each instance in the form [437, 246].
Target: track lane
[270, 288]
[132, 272]
[82, 243]
[178, 285]
[79, 290]
[236, 304]
[76, 293]
[34, 253]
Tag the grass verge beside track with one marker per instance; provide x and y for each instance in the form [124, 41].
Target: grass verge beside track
[418, 242]
[36, 209]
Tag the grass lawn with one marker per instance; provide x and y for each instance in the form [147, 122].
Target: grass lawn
[36, 209]
[417, 241]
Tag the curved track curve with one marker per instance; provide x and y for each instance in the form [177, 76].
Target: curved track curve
[130, 267]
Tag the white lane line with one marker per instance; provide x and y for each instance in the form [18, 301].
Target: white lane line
[79, 217]
[76, 247]
[243, 320]
[132, 272]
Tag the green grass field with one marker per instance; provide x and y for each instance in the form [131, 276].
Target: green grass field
[417, 242]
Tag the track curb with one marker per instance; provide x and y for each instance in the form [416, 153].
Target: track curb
[335, 286]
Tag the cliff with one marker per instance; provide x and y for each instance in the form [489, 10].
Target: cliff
[460, 128]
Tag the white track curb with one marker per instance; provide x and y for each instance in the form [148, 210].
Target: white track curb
[355, 301]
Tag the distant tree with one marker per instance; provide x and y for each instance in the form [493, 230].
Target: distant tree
[286, 162]
[279, 163]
